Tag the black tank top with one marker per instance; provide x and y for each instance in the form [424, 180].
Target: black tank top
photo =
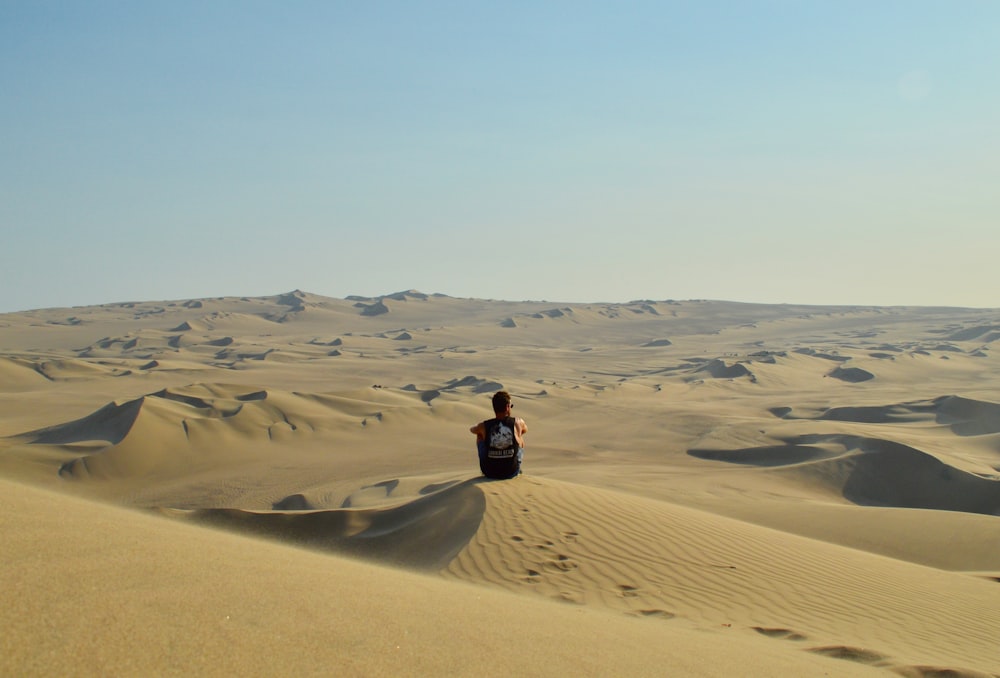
[501, 458]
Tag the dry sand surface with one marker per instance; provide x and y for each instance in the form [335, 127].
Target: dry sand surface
[287, 486]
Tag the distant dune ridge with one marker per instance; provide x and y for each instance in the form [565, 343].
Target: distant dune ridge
[287, 484]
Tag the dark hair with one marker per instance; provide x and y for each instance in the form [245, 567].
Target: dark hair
[500, 401]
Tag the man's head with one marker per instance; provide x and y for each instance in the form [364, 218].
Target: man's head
[501, 401]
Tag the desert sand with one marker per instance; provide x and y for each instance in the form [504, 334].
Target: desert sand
[287, 485]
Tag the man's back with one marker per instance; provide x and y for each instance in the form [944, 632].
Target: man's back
[500, 440]
[500, 456]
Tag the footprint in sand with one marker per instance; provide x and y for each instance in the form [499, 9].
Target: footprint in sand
[628, 591]
[784, 634]
[563, 563]
[659, 614]
[570, 536]
[854, 654]
[569, 597]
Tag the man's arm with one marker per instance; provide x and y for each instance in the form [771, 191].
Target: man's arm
[479, 430]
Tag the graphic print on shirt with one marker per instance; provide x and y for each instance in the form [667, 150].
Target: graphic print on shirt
[501, 440]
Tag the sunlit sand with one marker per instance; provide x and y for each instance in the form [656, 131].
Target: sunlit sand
[287, 485]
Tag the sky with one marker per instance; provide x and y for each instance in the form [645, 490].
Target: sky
[841, 152]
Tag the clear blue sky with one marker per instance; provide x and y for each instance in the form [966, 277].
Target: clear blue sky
[796, 151]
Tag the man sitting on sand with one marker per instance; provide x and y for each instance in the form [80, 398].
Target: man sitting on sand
[500, 440]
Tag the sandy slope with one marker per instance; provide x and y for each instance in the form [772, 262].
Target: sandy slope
[723, 489]
[651, 558]
[128, 594]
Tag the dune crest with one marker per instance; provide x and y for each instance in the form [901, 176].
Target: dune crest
[423, 533]
[173, 427]
[875, 472]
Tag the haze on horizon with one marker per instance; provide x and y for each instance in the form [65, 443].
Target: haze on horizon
[768, 151]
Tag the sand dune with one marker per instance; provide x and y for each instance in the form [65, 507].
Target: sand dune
[154, 596]
[423, 533]
[718, 369]
[983, 333]
[853, 375]
[17, 375]
[171, 430]
[592, 547]
[967, 416]
[870, 471]
[288, 484]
